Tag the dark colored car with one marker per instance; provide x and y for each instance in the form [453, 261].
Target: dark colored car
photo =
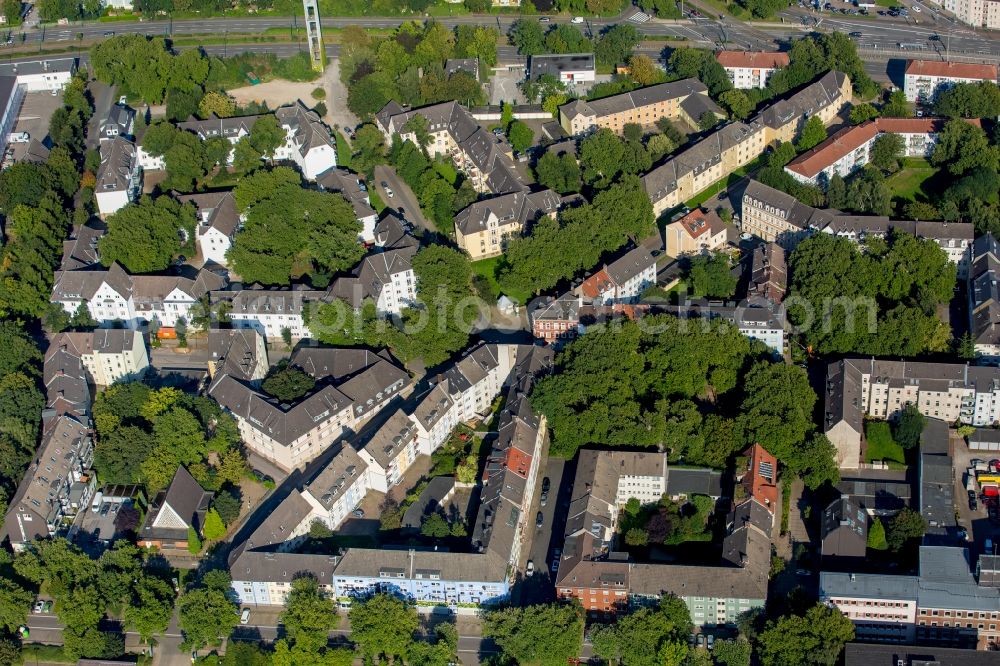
[546, 484]
[539, 519]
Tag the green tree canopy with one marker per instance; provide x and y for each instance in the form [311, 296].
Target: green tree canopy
[207, 615]
[146, 236]
[543, 635]
[382, 626]
[816, 638]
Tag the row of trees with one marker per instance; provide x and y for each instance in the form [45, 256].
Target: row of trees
[638, 382]
[558, 249]
[439, 188]
[85, 590]
[612, 46]
[409, 66]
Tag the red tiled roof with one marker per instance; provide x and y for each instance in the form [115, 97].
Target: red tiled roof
[596, 284]
[752, 59]
[757, 482]
[957, 70]
[917, 125]
[699, 222]
[842, 143]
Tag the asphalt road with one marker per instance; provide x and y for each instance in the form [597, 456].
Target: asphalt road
[402, 197]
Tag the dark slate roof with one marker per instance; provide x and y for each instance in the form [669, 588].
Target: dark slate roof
[181, 506]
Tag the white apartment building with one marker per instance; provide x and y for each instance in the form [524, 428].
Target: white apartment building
[435, 416]
[882, 608]
[113, 295]
[353, 385]
[390, 451]
[338, 489]
[119, 177]
[218, 222]
[979, 13]
[859, 388]
[751, 69]
[263, 578]
[476, 379]
[925, 79]
[108, 355]
[623, 280]
[307, 141]
[269, 311]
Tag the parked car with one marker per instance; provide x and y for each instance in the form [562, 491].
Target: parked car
[802, 572]
[358, 513]
[245, 616]
[973, 504]
[389, 193]
[555, 566]
[577, 19]
[39, 605]
[546, 484]
[544, 498]
[530, 569]
[539, 519]
[544, 19]
[710, 642]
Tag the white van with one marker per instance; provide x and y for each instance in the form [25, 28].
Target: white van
[245, 616]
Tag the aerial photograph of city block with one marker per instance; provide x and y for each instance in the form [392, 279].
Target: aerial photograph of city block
[500, 332]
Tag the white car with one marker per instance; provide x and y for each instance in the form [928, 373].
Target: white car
[389, 193]
[916, 8]
[245, 616]
[530, 569]
[577, 19]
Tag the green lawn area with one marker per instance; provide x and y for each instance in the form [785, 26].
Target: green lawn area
[907, 184]
[343, 150]
[723, 183]
[488, 269]
[880, 444]
[886, 3]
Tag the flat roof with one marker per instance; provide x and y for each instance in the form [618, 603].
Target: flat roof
[38, 66]
[558, 63]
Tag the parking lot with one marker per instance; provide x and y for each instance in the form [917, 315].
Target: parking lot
[976, 521]
[96, 529]
[33, 118]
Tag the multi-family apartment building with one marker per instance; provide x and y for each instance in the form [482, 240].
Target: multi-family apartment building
[712, 158]
[944, 604]
[57, 484]
[781, 218]
[390, 451]
[484, 228]
[238, 352]
[571, 68]
[263, 578]
[768, 280]
[484, 158]
[108, 355]
[120, 121]
[475, 380]
[606, 582]
[984, 298]
[857, 388]
[751, 69]
[269, 311]
[337, 490]
[308, 142]
[385, 276]
[261, 567]
[850, 148]
[979, 13]
[698, 231]
[119, 178]
[556, 320]
[353, 385]
[925, 79]
[350, 187]
[625, 278]
[218, 222]
[643, 106]
[111, 295]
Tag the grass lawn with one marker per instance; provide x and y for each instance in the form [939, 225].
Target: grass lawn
[343, 150]
[880, 444]
[723, 183]
[907, 184]
[886, 3]
[488, 269]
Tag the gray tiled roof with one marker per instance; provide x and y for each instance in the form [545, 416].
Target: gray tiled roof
[343, 471]
[640, 97]
[513, 209]
[350, 187]
[221, 127]
[235, 350]
[117, 164]
[308, 130]
[844, 529]
[258, 566]
[185, 500]
[216, 210]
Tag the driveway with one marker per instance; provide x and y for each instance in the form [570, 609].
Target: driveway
[402, 198]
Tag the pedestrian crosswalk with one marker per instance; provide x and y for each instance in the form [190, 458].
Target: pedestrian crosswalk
[639, 17]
